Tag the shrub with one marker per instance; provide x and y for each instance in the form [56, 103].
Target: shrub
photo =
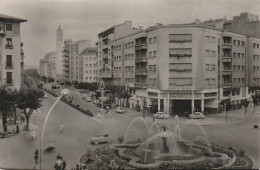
[70, 101]
[77, 105]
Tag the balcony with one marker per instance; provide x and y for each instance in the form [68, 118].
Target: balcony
[226, 59]
[7, 46]
[227, 72]
[141, 72]
[105, 56]
[227, 85]
[141, 60]
[9, 65]
[141, 47]
[227, 46]
[141, 85]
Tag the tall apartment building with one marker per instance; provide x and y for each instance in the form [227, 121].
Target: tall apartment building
[75, 49]
[66, 59]
[47, 65]
[11, 53]
[182, 67]
[105, 53]
[88, 66]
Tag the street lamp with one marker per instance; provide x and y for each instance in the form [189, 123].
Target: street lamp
[102, 86]
[63, 93]
[225, 104]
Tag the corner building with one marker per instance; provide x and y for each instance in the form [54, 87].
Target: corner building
[182, 68]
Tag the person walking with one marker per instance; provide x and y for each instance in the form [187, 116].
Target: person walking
[17, 129]
[36, 155]
[61, 128]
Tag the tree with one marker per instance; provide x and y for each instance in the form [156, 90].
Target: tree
[28, 100]
[228, 104]
[245, 103]
[6, 103]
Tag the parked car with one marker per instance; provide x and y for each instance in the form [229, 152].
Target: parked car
[95, 101]
[161, 115]
[88, 99]
[104, 138]
[119, 110]
[197, 115]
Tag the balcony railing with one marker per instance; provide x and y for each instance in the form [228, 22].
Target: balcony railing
[227, 85]
[141, 47]
[141, 72]
[7, 46]
[141, 60]
[141, 85]
[226, 59]
[227, 46]
[9, 65]
[227, 72]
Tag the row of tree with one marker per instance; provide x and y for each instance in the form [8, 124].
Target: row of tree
[26, 99]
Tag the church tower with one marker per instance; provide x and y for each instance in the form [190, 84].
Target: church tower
[59, 55]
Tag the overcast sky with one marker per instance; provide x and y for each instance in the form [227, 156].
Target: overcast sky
[84, 19]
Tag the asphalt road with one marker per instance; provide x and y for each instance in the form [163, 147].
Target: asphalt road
[18, 151]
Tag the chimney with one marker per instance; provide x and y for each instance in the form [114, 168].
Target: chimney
[197, 21]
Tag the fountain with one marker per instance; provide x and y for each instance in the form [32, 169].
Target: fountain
[146, 146]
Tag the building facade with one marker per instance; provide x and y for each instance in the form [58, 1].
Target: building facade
[88, 66]
[11, 53]
[182, 68]
[47, 65]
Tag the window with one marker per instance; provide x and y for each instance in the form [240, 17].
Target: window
[243, 43]
[234, 55]
[234, 80]
[180, 38]
[150, 40]
[242, 68]
[238, 42]
[234, 67]
[154, 53]
[9, 41]
[210, 67]
[210, 81]
[254, 45]
[238, 55]
[243, 55]
[234, 42]
[9, 61]
[257, 45]
[179, 81]
[180, 52]
[9, 78]
[154, 40]
[9, 27]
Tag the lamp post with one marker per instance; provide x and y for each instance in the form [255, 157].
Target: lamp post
[63, 93]
[102, 86]
[225, 104]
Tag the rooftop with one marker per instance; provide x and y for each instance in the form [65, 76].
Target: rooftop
[10, 18]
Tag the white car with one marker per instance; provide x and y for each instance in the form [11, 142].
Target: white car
[197, 115]
[161, 115]
[119, 110]
[88, 99]
[104, 138]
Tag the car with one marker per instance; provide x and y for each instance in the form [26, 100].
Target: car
[197, 115]
[103, 138]
[119, 110]
[161, 115]
[88, 99]
[95, 102]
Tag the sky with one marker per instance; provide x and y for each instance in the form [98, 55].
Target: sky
[84, 19]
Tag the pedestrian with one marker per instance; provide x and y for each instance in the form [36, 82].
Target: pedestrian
[61, 128]
[17, 129]
[36, 155]
[59, 157]
[63, 165]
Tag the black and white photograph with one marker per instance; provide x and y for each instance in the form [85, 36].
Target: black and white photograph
[129, 84]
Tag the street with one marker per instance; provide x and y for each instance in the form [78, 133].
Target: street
[79, 128]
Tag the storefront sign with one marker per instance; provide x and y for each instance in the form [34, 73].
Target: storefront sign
[180, 95]
[181, 88]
